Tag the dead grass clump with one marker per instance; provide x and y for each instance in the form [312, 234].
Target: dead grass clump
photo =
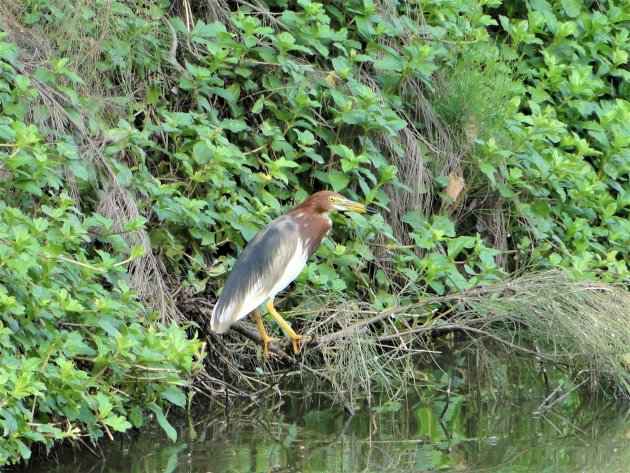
[581, 328]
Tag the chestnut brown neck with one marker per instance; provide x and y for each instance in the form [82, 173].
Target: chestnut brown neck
[313, 225]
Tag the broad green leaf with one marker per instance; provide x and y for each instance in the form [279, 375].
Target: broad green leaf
[118, 423]
[136, 416]
[161, 418]
[572, 7]
[456, 245]
[338, 180]
[175, 396]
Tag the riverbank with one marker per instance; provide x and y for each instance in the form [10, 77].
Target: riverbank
[427, 431]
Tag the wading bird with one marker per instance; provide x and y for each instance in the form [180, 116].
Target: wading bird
[273, 259]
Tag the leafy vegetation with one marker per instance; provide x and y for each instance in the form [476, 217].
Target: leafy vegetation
[80, 355]
[566, 168]
[143, 144]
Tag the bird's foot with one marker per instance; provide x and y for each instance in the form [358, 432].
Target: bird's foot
[301, 339]
[265, 343]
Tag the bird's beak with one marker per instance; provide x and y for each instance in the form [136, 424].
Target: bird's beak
[352, 206]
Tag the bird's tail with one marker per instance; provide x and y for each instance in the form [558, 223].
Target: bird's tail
[220, 321]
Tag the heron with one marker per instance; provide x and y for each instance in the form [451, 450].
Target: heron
[273, 259]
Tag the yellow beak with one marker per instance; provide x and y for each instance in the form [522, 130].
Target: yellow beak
[352, 206]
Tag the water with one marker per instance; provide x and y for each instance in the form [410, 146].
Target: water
[312, 434]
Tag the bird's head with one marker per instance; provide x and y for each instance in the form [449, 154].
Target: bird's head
[328, 201]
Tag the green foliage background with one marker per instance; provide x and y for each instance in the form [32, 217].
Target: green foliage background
[155, 134]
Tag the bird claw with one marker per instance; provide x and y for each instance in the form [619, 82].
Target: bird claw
[265, 344]
[297, 342]
[299, 338]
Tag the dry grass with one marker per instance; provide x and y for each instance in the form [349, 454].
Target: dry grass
[144, 275]
[579, 328]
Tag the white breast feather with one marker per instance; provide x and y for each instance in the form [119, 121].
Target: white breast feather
[293, 269]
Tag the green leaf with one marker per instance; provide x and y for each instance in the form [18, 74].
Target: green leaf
[118, 423]
[136, 416]
[258, 106]
[103, 405]
[488, 170]
[10, 422]
[338, 180]
[79, 170]
[415, 219]
[25, 452]
[456, 245]
[175, 396]
[393, 406]
[541, 208]
[572, 8]
[443, 225]
[161, 418]
[107, 324]
[235, 126]
[202, 153]
[247, 229]
[291, 436]
[389, 62]
[30, 364]
[137, 252]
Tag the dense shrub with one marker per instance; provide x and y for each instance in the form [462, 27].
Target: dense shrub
[493, 135]
[79, 354]
[566, 169]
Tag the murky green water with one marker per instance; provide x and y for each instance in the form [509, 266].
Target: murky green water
[311, 434]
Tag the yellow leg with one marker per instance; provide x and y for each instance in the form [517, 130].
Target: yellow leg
[263, 333]
[287, 328]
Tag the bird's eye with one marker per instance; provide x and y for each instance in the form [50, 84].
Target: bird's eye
[331, 199]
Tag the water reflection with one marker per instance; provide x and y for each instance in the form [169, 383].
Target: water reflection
[310, 434]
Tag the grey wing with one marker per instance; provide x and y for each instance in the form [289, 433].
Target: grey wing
[256, 272]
